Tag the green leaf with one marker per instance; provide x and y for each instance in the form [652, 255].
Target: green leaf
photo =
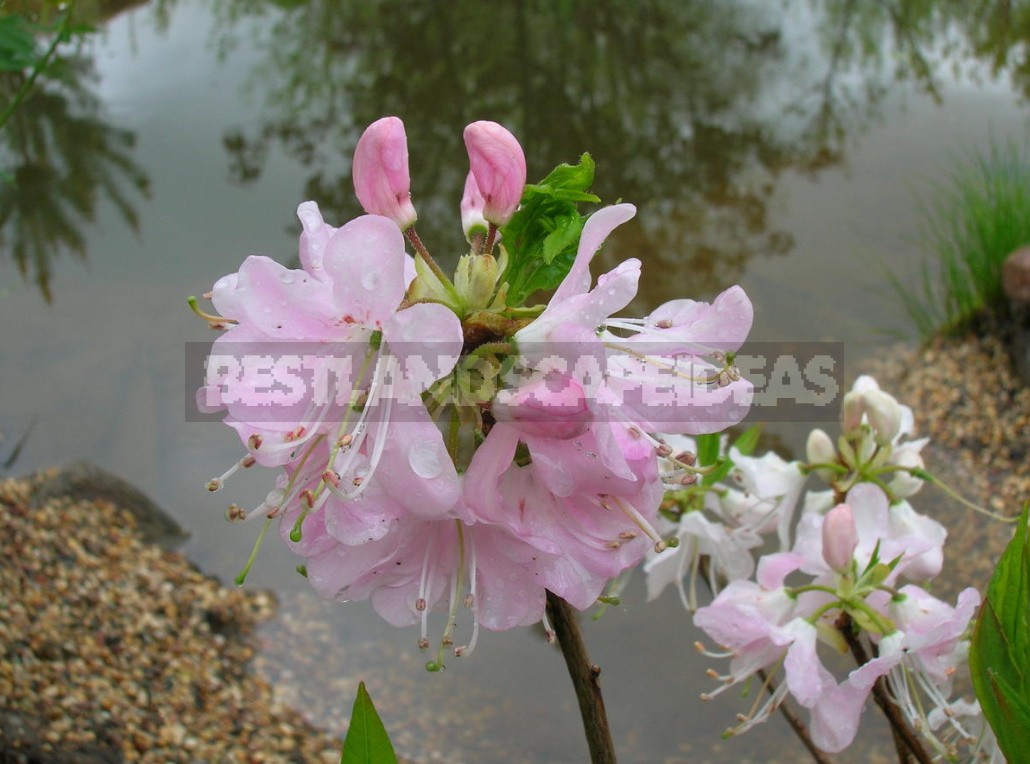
[707, 449]
[748, 440]
[999, 655]
[542, 237]
[17, 45]
[367, 741]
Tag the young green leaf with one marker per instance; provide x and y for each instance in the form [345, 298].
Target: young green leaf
[367, 741]
[707, 449]
[542, 237]
[999, 656]
[748, 439]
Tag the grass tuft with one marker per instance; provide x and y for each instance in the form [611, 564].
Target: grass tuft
[979, 216]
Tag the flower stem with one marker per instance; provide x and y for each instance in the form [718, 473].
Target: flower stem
[584, 675]
[905, 739]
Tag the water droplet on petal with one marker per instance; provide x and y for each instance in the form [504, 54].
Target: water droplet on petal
[287, 277]
[425, 459]
[370, 279]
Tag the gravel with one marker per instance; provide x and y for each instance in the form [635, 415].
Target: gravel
[113, 649]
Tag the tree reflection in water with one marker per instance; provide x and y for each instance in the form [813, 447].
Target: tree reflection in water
[60, 159]
[693, 108]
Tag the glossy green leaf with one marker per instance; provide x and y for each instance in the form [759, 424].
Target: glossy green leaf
[367, 741]
[999, 656]
[542, 237]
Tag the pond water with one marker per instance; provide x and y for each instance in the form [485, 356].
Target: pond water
[782, 145]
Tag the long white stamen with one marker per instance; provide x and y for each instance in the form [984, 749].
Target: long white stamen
[638, 519]
[423, 594]
[360, 431]
[549, 633]
[474, 604]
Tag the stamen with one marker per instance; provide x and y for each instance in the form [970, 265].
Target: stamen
[549, 633]
[242, 576]
[641, 523]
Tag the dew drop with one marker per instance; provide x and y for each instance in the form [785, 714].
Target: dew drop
[370, 279]
[425, 459]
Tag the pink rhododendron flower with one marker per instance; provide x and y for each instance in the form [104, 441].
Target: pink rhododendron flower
[442, 449]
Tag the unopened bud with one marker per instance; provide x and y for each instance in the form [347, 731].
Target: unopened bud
[840, 538]
[380, 170]
[851, 411]
[499, 166]
[552, 407]
[820, 450]
[884, 414]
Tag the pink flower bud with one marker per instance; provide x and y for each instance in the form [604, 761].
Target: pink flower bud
[840, 537]
[499, 167]
[884, 414]
[380, 171]
[472, 203]
[552, 407]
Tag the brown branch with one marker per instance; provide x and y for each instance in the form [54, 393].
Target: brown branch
[795, 723]
[584, 675]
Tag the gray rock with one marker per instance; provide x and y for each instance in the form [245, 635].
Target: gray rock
[82, 480]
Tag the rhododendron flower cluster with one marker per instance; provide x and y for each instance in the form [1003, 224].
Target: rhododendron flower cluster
[855, 568]
[457, 447]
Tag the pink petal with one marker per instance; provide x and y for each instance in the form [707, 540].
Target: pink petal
[365, 259]
[595, 231]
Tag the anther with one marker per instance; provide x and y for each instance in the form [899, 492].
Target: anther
[469, 600]
[635, 433]
[295, 434]
[723, 379]
[234, 513]
[665, 323]
[308, 497]
[423, 644]
[688, 479]
[688, 458]
[357, 481]
[460, 650]
[332, 478]
[699, 647]
[247, 462]
[446, 641]
[660, 547]
[628, 535]
[345, 440]
[664, 449]
[550, 636]
[214, 484]
[712, 673]
[613, 544]
[420, 604]
[254, 442]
